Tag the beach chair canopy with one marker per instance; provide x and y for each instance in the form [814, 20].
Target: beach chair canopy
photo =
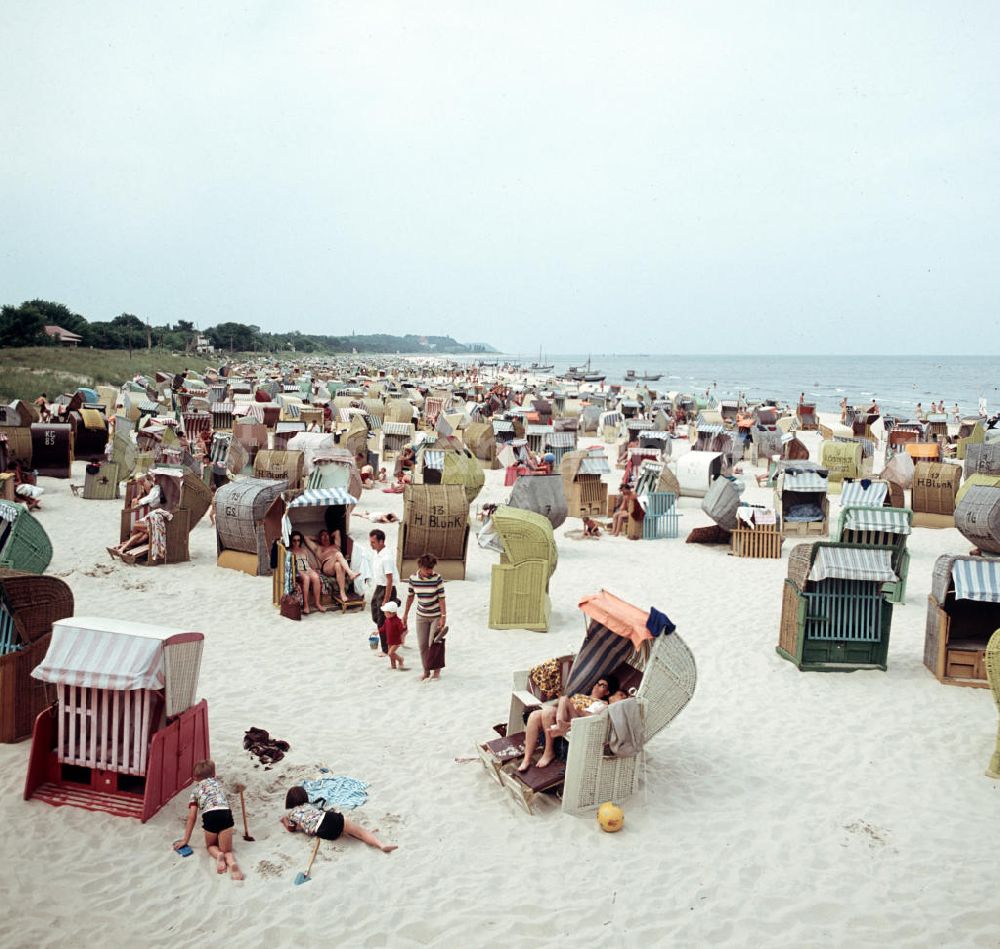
[864, 493]
[976, 579]
[314, 497]
[853, 563]
[891, 520]
[623, 619]
[120, 655]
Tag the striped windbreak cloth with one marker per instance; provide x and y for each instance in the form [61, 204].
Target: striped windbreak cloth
[852, 563]
[977, 579]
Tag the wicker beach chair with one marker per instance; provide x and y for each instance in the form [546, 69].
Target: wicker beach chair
[834, 614]
[619, 640]
[24, 545]
[519, 587]
[29, 605]
[240, 508]
[993, 675]
[884, 527]
[543, 494]
[963, 610]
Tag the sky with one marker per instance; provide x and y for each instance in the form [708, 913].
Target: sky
[669, 177]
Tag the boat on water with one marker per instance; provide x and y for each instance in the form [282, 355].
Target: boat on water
[630, 376]
[584, 373]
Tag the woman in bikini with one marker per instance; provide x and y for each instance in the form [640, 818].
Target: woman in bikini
[332, 562]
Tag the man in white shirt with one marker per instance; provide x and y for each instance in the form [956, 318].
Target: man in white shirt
[384, 578]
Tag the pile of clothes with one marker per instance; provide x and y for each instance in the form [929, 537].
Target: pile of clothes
[262, 746]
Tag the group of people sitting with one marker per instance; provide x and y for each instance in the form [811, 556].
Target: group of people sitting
[319, 558]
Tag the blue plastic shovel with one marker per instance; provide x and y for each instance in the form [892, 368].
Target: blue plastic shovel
[301, 878]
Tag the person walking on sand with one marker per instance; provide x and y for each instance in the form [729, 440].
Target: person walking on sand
[216, 819]
[384, 578]
[427, 586]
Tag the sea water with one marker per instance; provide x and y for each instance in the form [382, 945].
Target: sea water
[897, 383]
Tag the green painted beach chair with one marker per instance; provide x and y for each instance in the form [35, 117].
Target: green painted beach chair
[884, 527]
[835, 616]
[519, 585]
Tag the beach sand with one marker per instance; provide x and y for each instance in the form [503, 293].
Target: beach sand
[780, 808]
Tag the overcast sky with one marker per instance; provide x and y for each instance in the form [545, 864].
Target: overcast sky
[631, 177]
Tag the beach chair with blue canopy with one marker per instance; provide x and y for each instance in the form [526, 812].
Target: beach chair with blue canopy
[963, 611]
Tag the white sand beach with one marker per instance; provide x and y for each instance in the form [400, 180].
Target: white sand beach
[780, 808]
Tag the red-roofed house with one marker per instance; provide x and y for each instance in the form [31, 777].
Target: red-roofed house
[64, 336]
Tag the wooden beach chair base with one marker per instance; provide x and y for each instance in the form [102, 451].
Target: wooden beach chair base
[501, 758]
[136, 555]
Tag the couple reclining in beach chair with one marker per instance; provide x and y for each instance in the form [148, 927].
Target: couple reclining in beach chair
[630, 678]
[318, 563]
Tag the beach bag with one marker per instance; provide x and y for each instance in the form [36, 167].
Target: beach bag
[435, 650]
[291, 607]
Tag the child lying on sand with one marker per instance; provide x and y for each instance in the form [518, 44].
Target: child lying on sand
[327, 825]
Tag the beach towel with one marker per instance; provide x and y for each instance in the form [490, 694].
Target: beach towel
[156, 521]
[626, 735]
[331, 791]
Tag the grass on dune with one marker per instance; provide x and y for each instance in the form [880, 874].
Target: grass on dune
[27, 373]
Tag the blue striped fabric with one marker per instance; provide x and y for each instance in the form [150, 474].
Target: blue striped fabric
[602, 652]
[977, 579]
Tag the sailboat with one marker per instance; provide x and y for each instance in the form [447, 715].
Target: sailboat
[540, 366]
[584, 373]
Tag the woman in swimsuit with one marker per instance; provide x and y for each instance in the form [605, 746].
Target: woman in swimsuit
[305, 572]
[332, 562]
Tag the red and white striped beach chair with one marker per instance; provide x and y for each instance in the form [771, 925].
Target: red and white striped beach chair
[125, 730]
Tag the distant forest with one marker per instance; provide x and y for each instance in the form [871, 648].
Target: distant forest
[24, 326]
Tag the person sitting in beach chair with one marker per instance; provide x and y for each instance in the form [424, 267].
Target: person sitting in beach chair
[628, 506]
[326, 549]
[139, 536]
[25, 488]
[306, 573]
[546, 720]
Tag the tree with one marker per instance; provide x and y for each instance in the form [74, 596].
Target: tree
[237, 337]
[56, 314]
[22, 327]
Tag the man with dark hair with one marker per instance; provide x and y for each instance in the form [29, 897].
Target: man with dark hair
[384, 578]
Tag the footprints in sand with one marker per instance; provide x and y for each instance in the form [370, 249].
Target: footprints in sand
[269, 869]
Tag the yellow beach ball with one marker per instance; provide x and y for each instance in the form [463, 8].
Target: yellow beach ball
[611, 817]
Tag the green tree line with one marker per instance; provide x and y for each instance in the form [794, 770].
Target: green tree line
[24, 326]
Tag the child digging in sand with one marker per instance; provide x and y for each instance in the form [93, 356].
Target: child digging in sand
[216, 819]
[327, 825]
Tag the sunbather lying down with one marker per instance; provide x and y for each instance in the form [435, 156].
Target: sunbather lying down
[553, 721]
